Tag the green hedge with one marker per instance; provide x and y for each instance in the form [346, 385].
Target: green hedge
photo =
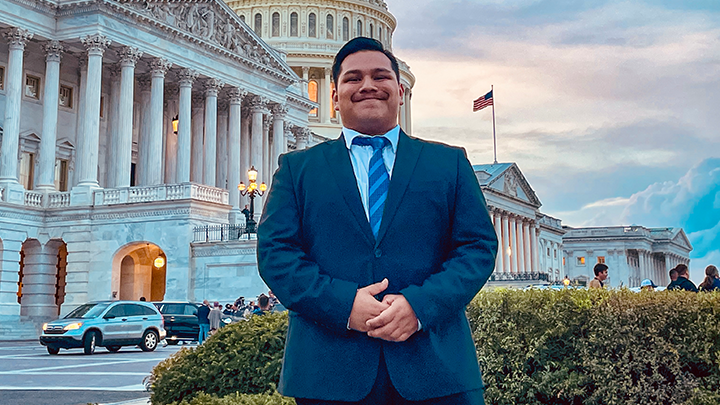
[535, 347]
[238, 399]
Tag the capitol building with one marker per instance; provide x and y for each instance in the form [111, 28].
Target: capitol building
[127, 125]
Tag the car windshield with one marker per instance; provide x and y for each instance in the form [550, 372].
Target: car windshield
[88, 310]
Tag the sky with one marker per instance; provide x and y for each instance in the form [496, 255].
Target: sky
[611, 109]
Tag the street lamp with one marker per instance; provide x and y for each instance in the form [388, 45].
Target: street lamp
[252, 190]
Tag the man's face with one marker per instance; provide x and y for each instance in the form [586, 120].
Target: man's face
[368, 94]
[603, 275]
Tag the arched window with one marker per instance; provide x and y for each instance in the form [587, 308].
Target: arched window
[294, 24]
[329, 27]
[313, 95]
[372, 34]
[276, 24]
[312, 22]
[346, 29]
[258, 24]
[380, 30]
[242, 17]
[359, 32]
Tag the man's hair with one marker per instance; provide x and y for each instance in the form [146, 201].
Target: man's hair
[361, 44]
[673, 271]
[599, 268]
[682, 269]
[263, 301]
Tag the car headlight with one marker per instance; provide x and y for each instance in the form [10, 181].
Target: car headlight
[73, 326]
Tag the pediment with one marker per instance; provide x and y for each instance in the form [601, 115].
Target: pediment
[65, 143]
[681, 239]
[512, 183]
[213, 23]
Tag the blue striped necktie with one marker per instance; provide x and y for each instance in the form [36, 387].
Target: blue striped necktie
[378, 179]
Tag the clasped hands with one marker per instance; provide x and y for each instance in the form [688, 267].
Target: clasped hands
[391, 319]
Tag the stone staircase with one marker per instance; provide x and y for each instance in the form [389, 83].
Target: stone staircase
[17, 328]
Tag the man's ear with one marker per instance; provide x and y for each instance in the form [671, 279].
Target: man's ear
[335, 98]
[402, 94]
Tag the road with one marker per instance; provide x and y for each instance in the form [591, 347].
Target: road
[29, 375]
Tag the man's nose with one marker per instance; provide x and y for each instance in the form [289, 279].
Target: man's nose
[367, 84]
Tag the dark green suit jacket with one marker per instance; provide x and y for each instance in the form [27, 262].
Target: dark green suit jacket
[436, 246]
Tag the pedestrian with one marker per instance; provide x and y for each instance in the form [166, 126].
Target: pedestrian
[142, 299]
[377, 297]
[647, 285]
[673, 274]
[203, 322]
[215, 317]
[712, 280]
[566, 281]
[264, 305]
[240, 302]
[682, 282]
[601, 274]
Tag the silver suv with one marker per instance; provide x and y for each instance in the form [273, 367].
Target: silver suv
[111, 324]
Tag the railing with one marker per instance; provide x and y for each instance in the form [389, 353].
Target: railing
[220, 233]
[519, 277]
[58, 199]
[163, 192]
[33, 199]
[2, 193]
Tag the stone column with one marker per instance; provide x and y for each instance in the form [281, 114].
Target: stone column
[408, 111]
[152, 172]
[196, 174]
[499, 266]
[306, 80]
[527, 249]
[264, 174]
[536, 249]
[235, 168]
[121, 154]
[46, 172]
[403, 114]
[221, 171]
[145, 87]
[288, 134]
[258, 109]
[111, 133]
[14, 191]
[301, 138]
[513, 245]
[186, 77]
[212, 86]
[170, 145]
[520, 252]
[39, 279]
[279, 112]
[641, 259]
[325, 97]
[10, 272]
[82, 194]
[505, 241]
[245, 148]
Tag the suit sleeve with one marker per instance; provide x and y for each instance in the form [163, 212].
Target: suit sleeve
[471, 258]
[286, 268]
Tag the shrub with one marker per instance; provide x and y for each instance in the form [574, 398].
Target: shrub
[535, 347]
[243, 357]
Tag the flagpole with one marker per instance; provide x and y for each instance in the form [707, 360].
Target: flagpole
[494, 138]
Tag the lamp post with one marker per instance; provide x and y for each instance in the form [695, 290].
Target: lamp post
[252, 190]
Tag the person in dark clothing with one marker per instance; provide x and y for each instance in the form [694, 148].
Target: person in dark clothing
[228, 310]
[264, 302]
[203, 321]
[673, 275]
[712, 279]
[682, 282]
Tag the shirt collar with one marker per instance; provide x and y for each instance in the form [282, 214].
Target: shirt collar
[392, 135]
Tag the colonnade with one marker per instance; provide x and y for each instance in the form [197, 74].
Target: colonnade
[216, 141]
[517, 243]
[655, 266]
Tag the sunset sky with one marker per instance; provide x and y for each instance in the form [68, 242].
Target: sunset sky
[611, 109]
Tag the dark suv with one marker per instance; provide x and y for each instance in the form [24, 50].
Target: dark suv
[181, 322]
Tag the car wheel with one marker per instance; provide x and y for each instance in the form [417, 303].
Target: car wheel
[149, 341]
[172, 342]
[90, 342]
[53, 350]
[113, 349]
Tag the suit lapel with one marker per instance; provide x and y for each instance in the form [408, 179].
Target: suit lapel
[408, 151]
[338, 159]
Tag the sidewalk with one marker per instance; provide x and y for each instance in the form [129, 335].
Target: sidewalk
[141, 401]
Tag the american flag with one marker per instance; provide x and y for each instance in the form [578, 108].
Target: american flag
[483, 101]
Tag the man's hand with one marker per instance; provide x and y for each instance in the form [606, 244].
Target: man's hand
[395, 324]
[366, 306]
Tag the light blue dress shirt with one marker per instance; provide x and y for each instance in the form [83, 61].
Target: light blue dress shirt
[360, 158]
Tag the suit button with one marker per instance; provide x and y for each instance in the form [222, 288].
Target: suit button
[378, 252]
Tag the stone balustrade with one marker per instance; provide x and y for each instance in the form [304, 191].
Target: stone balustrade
[33, 199]
[163, 192]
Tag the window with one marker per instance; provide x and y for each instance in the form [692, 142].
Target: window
[61, 175]
[2, 77]
[27, 170]
[346, 29]
[32, 87]
[313, 95]
[312, 32]
[563, 262]
[329, 29]
[66, 96]
[555, 254]
[548, 252]
[380, 30]
[242, 17]
[276, 24]
[117, 311]
[581, 261]
[601, 259]
[359, 29]
[258, 24]
[102, 106]
[190, 309]
[372, 34]
[294, 24]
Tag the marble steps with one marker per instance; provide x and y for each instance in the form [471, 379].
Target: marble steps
[15, 328]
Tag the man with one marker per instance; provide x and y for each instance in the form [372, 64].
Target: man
[601, 273]
[264, 305]
[377, 264]
[683, 280]
[673, 275]
[203, 321]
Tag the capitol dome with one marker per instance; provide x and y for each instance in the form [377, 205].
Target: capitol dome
[310, 32]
